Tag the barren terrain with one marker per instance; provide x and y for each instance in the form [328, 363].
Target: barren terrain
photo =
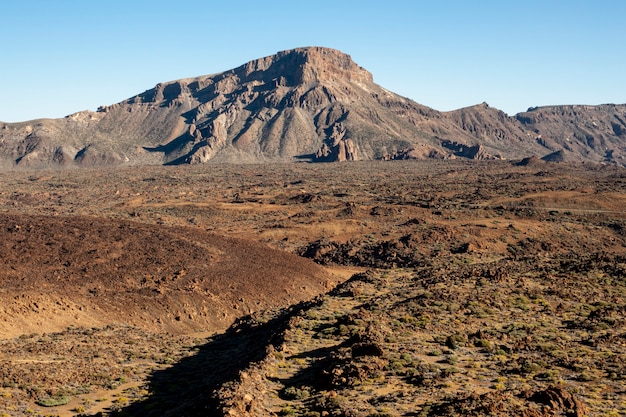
[481, 288]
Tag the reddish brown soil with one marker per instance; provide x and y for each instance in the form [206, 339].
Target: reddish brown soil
[102, 266]
[61, 271]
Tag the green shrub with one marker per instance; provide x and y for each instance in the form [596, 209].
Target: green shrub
[485, 344]
[293, 393]
[288, 411]
[530, 367]
[53, 401]
[451, 360]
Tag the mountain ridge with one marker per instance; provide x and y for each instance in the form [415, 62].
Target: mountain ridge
[312, 104]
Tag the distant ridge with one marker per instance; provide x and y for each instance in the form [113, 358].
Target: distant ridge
[305, 104]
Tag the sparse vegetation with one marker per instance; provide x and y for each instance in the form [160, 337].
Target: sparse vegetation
[53, 401]
[461, 298]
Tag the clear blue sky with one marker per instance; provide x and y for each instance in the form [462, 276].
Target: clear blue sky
[58, 57]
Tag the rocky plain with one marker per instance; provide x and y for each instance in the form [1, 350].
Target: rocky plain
[398, 288]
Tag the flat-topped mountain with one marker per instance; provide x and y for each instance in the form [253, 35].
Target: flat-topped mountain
[312, 104]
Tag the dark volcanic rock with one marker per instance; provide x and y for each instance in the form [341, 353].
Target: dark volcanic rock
[558, 156]
[530, 161]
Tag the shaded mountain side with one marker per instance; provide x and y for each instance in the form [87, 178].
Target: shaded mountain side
[581, 133]
[312, 104]
[63, 271]
[496, 132]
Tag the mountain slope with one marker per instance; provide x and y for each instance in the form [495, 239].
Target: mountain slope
[311, 104]
[582, 133]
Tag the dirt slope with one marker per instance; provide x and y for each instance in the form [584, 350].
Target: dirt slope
[62, 271]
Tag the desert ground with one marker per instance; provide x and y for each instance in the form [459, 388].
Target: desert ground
[404, 288]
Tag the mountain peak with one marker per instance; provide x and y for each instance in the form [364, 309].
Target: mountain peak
[308, 65]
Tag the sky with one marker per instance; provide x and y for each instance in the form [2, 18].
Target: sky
[59, 57]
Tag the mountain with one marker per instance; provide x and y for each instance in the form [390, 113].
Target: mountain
[580, 133]
[311, 104]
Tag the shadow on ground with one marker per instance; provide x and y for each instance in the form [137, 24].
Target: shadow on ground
[188, 387]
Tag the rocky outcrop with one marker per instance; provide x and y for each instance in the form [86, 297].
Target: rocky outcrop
[416, 152]
[477, 152]
[557, 400]
[338, 148]
[344, 150]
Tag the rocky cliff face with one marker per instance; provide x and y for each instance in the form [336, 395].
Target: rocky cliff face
[312, 104]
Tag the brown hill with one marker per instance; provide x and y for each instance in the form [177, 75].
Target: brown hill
[63, 271]
[311, 104]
